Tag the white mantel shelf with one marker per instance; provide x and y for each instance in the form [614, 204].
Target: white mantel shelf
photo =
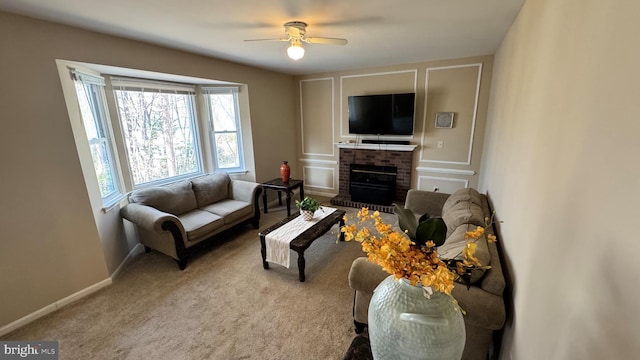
[383, 147]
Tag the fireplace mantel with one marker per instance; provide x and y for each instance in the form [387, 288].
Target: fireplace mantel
[383, 147]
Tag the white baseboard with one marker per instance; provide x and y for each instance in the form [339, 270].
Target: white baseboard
[71, 298]
[55, 306]
[139, 248]
[320, 193]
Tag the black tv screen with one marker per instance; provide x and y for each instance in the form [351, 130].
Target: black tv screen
[388, 114]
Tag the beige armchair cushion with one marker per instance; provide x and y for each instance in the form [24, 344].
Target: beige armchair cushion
[176, 198]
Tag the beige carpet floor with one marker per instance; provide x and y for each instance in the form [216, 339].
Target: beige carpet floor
[224, 305]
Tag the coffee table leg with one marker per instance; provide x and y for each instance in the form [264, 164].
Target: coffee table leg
[341, 225]
[301, 265]
[263, 251]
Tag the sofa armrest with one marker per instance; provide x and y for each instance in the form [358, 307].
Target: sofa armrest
[148, 217]
[483, 309]
[365, 276]
[244, 190]
[425, 202]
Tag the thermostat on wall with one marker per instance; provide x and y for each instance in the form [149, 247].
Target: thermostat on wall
[444, 120]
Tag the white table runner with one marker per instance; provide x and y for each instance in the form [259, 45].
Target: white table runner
[277, 242]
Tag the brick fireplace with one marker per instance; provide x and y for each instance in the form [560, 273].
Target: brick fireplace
[402, 159]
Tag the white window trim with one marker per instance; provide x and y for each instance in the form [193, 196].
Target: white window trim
[207, 90]
[86, 77]
[146, 85]
[204, 138]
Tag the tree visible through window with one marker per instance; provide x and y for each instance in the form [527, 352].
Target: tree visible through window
[225, 122]
[159, 131]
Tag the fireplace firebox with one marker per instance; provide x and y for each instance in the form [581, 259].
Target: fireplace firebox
[372, 184]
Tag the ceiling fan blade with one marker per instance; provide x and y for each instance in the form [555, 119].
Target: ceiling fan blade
[324, 40]
[281, 39]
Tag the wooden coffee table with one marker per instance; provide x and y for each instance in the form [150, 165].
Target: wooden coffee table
[301, 242]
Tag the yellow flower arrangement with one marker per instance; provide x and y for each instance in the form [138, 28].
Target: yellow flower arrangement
[404, 259]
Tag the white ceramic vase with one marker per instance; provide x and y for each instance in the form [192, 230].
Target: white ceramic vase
[404, 324]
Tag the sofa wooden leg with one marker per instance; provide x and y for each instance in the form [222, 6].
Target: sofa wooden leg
[182, 263]
[359, 327]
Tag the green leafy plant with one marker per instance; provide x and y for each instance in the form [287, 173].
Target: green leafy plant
[420, 230]
[308, 203]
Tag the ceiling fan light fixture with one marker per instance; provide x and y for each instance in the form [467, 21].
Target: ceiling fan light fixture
[295, 51]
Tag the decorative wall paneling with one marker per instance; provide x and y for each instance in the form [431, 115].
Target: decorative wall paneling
[443, 86]
[439, 97]
[442, 184]
[320, 177]
[316, 117]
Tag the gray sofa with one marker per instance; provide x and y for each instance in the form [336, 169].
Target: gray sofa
[178, 218]
[483, 301]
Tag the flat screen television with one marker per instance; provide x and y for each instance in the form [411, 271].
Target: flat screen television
[388, 114]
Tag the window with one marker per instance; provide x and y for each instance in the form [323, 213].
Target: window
[222, 108]
[159, 126]
[91, 98]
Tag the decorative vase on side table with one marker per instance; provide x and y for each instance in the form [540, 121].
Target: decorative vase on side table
[404, 324]
[285, 171]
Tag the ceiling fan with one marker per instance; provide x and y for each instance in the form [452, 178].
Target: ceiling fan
[296, 31]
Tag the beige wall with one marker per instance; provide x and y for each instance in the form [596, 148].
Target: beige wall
[459, 85]
[51, 246]
[561, 168]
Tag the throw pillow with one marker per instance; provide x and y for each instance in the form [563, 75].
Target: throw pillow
[176, 198]
[211, 188]
[462, 195]
[463, 212]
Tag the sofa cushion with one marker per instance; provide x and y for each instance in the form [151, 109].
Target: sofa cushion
[230, 210]
[463, 212]
[454, 244]
[211, 188]
[200, 224]
[462, 195]
[176, 198]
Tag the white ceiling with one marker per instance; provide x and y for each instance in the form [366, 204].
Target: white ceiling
[380, 32]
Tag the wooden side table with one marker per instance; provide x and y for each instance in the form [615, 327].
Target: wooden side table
[280, 186]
